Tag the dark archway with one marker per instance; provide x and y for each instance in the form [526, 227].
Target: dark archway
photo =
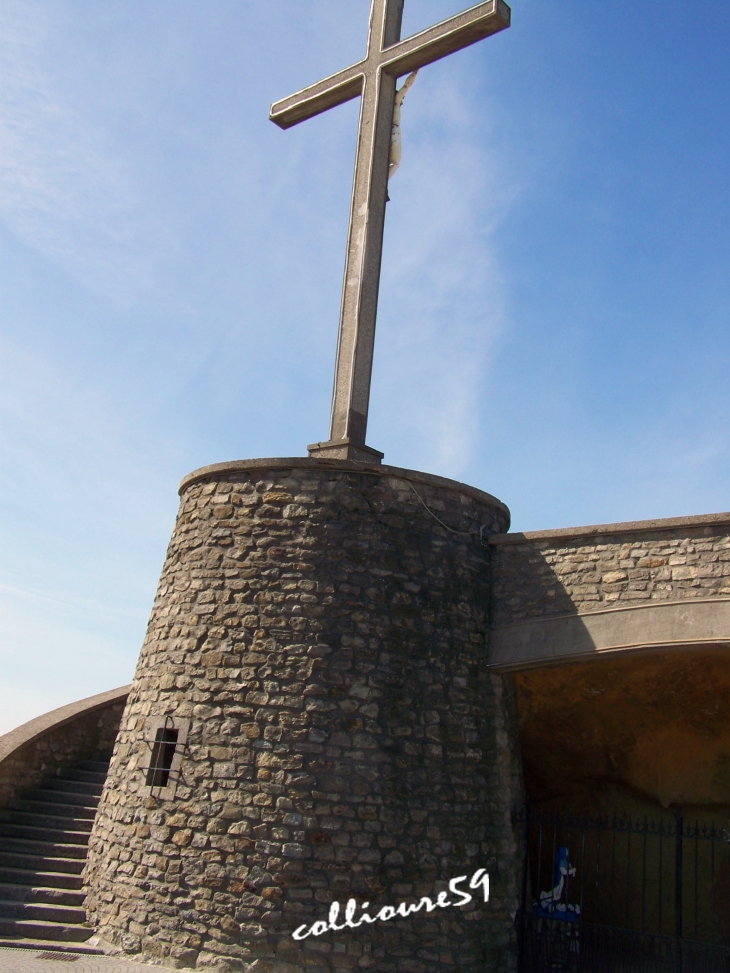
[626, 760]
[638, 729]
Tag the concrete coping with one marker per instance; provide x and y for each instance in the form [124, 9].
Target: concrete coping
[218, 470]
[684, 624]
[628, 527]
[38, 727]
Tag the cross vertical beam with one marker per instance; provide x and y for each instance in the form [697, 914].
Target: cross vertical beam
[361, 282]
[374, 79]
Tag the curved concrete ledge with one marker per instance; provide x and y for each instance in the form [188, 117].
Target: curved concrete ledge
[218, 470]
[56, 718]
[45, 744]
[698, 623]
[628, 527]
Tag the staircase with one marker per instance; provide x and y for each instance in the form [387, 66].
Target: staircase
[43, 845]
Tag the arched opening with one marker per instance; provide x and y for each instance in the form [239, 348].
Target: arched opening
[626, 761]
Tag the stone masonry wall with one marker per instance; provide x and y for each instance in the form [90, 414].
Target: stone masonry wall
[325, 635]
[585, 570]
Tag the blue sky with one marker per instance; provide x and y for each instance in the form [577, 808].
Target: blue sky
[553, 322]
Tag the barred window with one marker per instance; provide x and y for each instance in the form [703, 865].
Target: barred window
[165, 742]
[163, 752]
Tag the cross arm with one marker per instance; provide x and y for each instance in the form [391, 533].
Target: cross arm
[450, 35]
[318, 97]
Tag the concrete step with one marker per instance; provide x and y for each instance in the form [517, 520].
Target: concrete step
[37, 893]
[46, 911]
[42, 929]
[47, 849]
[88, 776]
[73, 786]
[52, 795]
[46, 946]
[97, 766]
[52, 808]
[53, 821]
[40, 863]
[48, 879]
[42, 834]
[43, 848]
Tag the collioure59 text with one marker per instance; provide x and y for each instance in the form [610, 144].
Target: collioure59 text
[480, 879]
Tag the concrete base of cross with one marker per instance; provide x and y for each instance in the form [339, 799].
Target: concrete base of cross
[344, 449]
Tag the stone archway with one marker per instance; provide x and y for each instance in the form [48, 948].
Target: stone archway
[617, 637]
[626, 763]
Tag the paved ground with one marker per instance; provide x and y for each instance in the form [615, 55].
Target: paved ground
[33, 961]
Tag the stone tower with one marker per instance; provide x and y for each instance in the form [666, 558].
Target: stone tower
[312, 720]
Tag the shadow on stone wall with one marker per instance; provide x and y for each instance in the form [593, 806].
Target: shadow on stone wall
[525, 583]
[611, 566]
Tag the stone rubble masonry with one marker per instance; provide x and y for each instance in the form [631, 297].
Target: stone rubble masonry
[545, 573]
[326, 637]
[58, 739]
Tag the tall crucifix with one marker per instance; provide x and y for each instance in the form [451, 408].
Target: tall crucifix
[374, 79]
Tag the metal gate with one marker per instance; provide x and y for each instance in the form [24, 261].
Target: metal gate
[619, 895]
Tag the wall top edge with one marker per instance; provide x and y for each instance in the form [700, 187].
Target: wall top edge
[603, 530]
[218, 470]
[40, 725]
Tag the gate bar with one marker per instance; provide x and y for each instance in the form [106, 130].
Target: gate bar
[678, 887]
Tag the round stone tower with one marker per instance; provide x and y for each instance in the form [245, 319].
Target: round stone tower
[312, 721]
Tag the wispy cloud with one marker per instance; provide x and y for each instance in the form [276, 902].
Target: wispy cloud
[70, 605]
[66, 189]
[438, 328]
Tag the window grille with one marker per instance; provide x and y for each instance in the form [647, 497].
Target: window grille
[163, 752]
[166, 740]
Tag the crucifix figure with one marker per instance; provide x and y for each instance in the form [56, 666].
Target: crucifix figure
[374, 79]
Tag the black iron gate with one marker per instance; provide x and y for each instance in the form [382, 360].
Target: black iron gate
[619, 895]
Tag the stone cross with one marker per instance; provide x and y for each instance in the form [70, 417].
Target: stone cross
[374, 79]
